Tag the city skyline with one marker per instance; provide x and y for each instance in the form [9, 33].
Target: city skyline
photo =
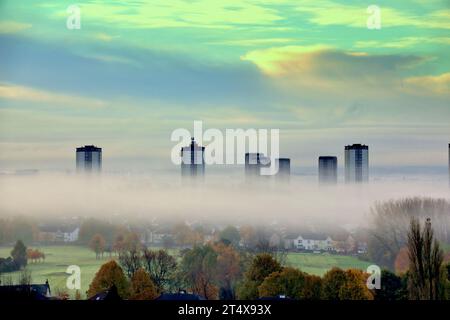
[322, 80]
[240, 150]
[355, 170]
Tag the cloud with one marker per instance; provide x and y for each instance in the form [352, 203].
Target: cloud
[104, 37]
[324, 62]
[435, 85]
[328, 13]
[179, 14]
[272, 61]
[7, 27]
[253, 42]
[327, 87]
[402, 42]
[23, 93]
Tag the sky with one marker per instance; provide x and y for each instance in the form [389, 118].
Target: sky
[137, 70]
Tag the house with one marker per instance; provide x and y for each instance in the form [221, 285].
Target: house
[52, 233]
[26, 292]
[154, 236]
[313, 242]
[71, 235]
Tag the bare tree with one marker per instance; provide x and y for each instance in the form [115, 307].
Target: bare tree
[391, 221]
[425, 261]
[160, 265]
[130, 260]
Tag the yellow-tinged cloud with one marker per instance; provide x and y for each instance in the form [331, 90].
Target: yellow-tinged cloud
[319, 71]
[253, 42]
[275, 61]
[104, 37]
[177, 13]
[403, 42]
[15, 92]
[13, 27]
[429, 84]
[326, 62]
[332, 13]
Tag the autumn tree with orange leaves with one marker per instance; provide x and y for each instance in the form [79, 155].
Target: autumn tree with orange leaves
[97, 244]
[142, 287]
[109, 274]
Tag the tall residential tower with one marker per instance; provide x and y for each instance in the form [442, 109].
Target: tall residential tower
[328, 170]
[253, 164]
[89, 159]
[192, 160]
[284, 169]
[356, 163]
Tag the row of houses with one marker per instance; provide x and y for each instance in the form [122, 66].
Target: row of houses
[299, 240]
[343, 243]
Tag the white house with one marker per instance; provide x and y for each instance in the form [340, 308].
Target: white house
[71, 236]
[313, 242]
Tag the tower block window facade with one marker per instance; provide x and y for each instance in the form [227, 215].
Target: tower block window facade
[356, 163]
[328, 170]
[89, 159]
[192, 160]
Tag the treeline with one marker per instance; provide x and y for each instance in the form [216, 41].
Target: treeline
[18, 228]
[388, 232]
[220, 271]
[17, 260]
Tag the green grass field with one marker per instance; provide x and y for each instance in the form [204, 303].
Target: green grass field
[58, 258]
[320, 263]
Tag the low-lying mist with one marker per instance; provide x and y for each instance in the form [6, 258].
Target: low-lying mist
[217, 199]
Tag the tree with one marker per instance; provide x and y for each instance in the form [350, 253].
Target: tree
[161, 267]
[230, 235]
[185, 236]
[119, 243]
[447, 268]
[426, 258]
[182, 233]
[8, 265]
[130, 255]
[289, 282]
[446, 272]
[19, 254]
[392, 287]
[402, 261]
[345, 285]
[34, 255]
[109, 274]
[228, 270]
[261, 267]
[390, 225]
[142, 287]
[97, 244]
[313, 288]
[333, 280]
[199, 270]
[90, 227]
[132, 241]
[355, 287]
[248, 236]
